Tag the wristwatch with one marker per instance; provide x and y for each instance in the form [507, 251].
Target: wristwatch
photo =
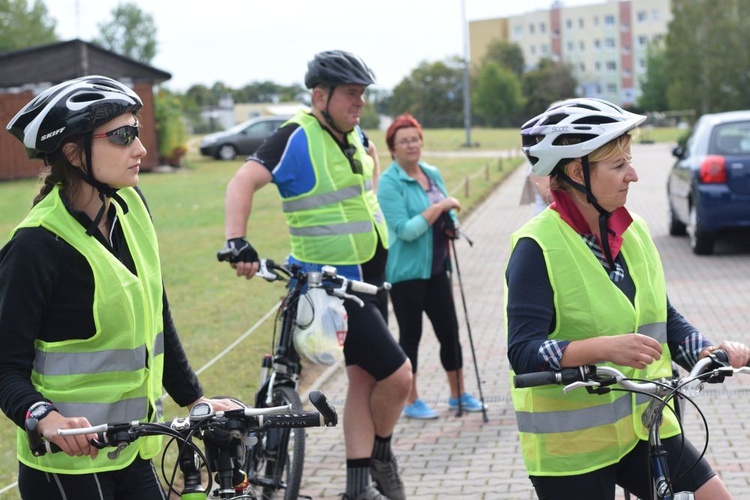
[40, 410]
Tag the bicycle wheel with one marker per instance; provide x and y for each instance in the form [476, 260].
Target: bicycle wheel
[276, 461]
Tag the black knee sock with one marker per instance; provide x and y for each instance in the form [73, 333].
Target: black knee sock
[357, 476]
[381, 450]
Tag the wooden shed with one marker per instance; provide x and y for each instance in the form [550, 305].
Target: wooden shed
[27, 72]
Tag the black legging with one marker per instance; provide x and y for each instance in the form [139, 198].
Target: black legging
[434, 296]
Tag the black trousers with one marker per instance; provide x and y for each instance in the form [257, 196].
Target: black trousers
[434, 297]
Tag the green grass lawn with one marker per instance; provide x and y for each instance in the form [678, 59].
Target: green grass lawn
[212, 307]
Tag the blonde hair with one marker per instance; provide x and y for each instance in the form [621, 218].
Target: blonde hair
[613, 148]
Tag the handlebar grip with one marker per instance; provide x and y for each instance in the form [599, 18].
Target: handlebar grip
[292, 420]
[37, 445]
[362, 287]
[553, 377]
[319, 400]
[224, 254]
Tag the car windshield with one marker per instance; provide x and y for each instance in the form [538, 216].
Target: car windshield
[236, 129]
[731, 139]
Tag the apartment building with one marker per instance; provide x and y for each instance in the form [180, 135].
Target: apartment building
[605, 43]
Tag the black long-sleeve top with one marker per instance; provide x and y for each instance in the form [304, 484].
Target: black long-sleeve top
[47, 293]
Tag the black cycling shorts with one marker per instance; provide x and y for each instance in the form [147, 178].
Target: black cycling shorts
[369, 343]
[631, 473]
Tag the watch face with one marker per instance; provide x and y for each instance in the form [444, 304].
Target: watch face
[40, 411]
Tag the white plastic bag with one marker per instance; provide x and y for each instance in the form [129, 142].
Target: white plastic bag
[321, 327]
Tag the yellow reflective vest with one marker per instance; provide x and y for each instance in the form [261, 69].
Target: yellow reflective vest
[116, 375]
[575, 433]
[339, 220]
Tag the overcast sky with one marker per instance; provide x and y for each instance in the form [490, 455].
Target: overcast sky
[241, 41]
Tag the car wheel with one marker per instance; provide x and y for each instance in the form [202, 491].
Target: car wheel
[701, 241]
[676, 226]
[226, 152]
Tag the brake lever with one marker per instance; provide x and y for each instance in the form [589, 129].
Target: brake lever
[266, 273]
[577, 385]
[344, 295]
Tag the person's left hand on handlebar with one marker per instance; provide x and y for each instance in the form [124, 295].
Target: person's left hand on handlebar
[739, 353]
[241, 256]
[218, 404]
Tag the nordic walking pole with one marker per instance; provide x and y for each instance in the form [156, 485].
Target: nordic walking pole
[468, 327]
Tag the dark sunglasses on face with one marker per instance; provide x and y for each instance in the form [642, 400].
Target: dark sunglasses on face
[121, 136]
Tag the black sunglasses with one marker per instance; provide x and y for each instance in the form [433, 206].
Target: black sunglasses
[354, 163]
[121, 136]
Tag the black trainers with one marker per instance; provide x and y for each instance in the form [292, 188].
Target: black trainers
[370, 493]
[385, 475]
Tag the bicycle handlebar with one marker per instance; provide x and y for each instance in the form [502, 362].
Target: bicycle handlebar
[333, 283]
[712, 368]
[201, 417]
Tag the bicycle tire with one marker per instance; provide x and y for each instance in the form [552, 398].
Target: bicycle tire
[279, 478]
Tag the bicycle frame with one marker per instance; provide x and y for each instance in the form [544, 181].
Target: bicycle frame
[600, 379]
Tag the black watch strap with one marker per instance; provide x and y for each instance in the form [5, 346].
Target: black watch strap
[40, 410]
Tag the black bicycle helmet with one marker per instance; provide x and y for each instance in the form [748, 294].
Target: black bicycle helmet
[336, 67]
[70, 108]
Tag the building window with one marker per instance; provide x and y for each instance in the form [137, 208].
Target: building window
[655, 15]
[642, 41]
[610, 43]
[532, 49]
[545, 49]
[609, 20]
[597, 66]
[597, 44]
[611, 66]
[641, 16]
[569, 24]
[626, 49]
[611, 88]
[531, 29]
[542, 28]
[596, 20]
[517, 32]
[582, 67]
[642, 65]
[582, 45]
[580, 22]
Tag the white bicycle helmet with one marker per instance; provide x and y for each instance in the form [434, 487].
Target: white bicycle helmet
[591, 121]
[70, 108]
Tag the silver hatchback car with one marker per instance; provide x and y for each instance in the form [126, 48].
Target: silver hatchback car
[242, 139]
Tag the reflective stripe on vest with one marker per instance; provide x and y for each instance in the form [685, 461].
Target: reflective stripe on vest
[338, 221]
[115, 375]
[603, 427]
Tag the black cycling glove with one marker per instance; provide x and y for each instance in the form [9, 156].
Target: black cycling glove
[238, 250]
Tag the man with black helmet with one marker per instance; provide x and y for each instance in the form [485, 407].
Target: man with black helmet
[325, 173]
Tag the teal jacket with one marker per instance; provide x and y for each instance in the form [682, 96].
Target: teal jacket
[402, 201]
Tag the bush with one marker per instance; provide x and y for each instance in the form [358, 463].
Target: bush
[171, 130]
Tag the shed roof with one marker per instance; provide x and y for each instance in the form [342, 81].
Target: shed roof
[62, 61]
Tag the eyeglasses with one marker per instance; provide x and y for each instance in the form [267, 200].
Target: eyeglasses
[121, 136]
[409, 141]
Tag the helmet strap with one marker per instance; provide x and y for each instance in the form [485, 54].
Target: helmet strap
[603, 214]
[104, 190]
[327, 115]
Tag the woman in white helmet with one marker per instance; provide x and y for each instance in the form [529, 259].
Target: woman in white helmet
[85, 325]
[585, 285]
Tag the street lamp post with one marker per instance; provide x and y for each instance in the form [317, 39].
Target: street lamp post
[467, 92]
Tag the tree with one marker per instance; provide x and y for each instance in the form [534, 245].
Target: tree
[22, 26]
[131, 33]
[506, 55]
[548, 83]
[497, 99]
[707, 55]
[432, 93]
[654, 84]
